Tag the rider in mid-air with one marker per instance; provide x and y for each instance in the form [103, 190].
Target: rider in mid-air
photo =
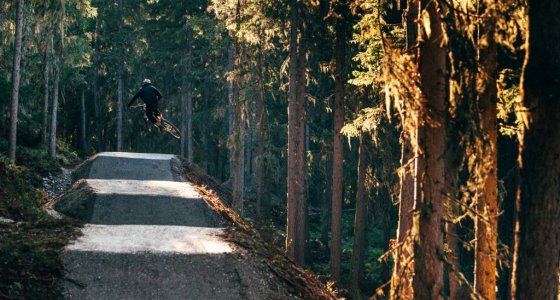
[151, 96]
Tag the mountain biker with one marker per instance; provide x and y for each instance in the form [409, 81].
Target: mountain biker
[151, 96]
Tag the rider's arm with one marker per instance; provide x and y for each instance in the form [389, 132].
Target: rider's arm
[134, 99]
[158, 94]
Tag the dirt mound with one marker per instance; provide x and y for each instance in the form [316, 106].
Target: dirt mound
[306, 283]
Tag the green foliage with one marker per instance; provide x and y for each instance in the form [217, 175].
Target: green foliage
[31, 268]
[38, 160]
[66, 155]
[19, 199]
[368, 36]
[20, 195]
[368, 120]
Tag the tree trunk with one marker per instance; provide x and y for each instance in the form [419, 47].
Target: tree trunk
[120, 91]
[537, 239]
[292, 200]
[56, 83]
[262, 203]
[457, 290]
[84, 121]
[16, 76]
[184, 117]
[63, 119]
[506, 222]
[486, 223]
[238, 179]
[400, 279]
[338, 149]
[301, 136]
[411, 24]
[120, 82]
[360, 223]
[190, 138]
[249, 141]
[230, 108]
[96, 97]
[295, 237]
[326, 204]
[238, 137]
[186, 124]
[46, 90]
[428, 221]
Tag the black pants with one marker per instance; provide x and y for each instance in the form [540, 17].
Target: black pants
[152, 114]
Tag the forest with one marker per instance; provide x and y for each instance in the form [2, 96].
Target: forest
[400, 149]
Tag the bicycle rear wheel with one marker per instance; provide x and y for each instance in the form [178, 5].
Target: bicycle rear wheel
[171, 129]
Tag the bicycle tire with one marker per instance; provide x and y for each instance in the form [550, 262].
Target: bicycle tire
[171, 129]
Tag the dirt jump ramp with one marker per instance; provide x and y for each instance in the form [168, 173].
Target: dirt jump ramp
[132, 166]
[149, 235]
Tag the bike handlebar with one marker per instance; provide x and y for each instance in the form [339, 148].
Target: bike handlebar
[138, 106]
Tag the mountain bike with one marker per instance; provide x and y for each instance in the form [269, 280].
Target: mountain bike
[165, 125]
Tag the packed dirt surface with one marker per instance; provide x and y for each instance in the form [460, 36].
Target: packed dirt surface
[150, 235]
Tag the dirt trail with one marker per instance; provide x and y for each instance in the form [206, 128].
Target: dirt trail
[149, 235]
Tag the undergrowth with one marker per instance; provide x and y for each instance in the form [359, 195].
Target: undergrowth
[30, 239]
[38, 160]
[30, 266]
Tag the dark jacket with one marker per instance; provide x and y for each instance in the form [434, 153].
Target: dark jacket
[149, 94]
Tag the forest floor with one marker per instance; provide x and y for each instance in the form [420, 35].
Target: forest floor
[30, 239]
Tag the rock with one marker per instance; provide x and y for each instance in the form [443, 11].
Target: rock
[57, 184]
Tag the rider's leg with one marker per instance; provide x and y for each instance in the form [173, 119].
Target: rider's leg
[155, 118]
[159, 117]
[147, 123]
